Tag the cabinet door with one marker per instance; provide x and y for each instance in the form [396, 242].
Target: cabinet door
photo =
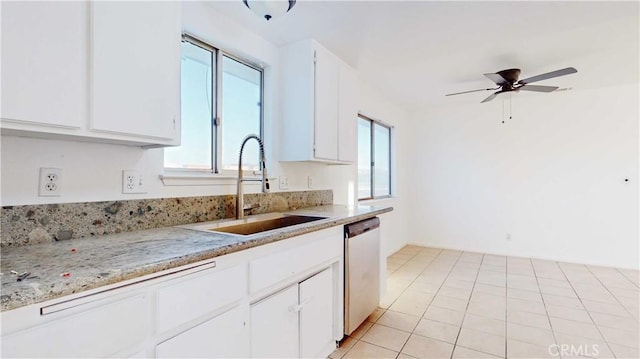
[347, 115]
[135, 61]
[225, 336]
[188, 298]
[44, 63]
[274, 325]
[326, 105]
[316, 315]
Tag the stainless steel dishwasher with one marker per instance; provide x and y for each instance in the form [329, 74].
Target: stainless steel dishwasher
[361, 272]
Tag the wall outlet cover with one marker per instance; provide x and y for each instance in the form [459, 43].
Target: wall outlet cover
[284, 182]
[132, 182]
[50, 183]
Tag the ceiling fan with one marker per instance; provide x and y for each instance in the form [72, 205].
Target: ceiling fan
[507, 81]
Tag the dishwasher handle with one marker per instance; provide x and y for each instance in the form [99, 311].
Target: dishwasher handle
[357, 228]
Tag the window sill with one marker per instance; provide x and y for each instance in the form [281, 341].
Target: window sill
[374, 201]
[204, 179]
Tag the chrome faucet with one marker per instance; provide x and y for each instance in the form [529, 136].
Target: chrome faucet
[265, 182]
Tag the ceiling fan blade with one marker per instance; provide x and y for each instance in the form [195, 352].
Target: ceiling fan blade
[499, 80]
[491, 97]
[460, 93]
[538, 88]
[549, 75]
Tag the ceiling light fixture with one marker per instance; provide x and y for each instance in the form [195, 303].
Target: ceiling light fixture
[269, 9]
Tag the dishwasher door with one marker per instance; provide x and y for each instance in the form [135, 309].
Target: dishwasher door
[362, 272]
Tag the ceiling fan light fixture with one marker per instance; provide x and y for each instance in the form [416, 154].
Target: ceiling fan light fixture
[269, 9]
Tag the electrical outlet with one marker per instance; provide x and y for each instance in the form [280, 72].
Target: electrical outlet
[508, 238]
[50, 184]
[132, 182]
[284, 182]
[310, 181]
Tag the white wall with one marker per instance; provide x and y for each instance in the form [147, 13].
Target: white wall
[552, 178]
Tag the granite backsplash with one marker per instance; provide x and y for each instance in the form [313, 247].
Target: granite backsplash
[31, 224]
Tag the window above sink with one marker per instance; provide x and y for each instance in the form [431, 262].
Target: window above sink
[221, 102]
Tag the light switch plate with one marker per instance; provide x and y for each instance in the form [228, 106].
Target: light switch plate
[132, 182]
[284, 182]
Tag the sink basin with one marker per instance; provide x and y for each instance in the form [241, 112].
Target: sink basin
[255, 224]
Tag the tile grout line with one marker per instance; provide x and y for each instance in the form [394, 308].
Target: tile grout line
[431, 301]
[455, 344]
[439, 256]
[544, 303]
[610, 292]
[586, 310]
[434, 295]
[625, 277]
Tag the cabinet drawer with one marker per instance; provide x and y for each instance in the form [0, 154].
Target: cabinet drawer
[225, 336]
[98, 332]
[185, 299]
[323, 246]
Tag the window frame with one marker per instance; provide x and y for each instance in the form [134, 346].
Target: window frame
[372, 167]
[217, 122]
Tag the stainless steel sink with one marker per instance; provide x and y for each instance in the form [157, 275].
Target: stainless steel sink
[255, 224]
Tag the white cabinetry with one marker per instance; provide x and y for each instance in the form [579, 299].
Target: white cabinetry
[316, 315]
[274, 325]
[319, 105]
[281, 299]
[135, 67]
[303, 315]
[92, 71]
[44, 64]
[347, 115]
[96, 331]
[185, 301]
[225, 336]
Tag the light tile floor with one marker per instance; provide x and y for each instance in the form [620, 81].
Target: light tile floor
[453, 304]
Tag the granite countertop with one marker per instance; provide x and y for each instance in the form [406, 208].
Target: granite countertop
[99, 261]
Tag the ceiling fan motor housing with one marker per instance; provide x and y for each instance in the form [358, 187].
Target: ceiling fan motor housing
[511, 75]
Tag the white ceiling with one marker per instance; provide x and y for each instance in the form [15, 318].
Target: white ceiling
[416, 51]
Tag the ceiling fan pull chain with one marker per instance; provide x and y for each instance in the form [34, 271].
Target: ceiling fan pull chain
[510, 97]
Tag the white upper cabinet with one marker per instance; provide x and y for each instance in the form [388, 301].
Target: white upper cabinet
[44, 64]
[92, 71]
[319, 105]
[347, 115]
[326, 105]
[135, 63]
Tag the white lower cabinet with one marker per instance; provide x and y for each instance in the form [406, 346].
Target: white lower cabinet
[97, 332]
[225, 336]
[316, 315]
[274, 325]
[199, 311]
[296, 321]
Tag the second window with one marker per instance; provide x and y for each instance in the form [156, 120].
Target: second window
[374, 159]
